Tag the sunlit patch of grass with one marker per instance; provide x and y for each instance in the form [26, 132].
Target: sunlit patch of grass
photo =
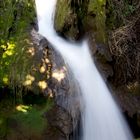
[5, 79]
[29, 118]
[9, 49]
[23, 108]
[32, 119]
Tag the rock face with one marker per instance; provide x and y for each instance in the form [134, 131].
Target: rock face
[64, 116]
[61, 84]
[64, 86]
[59, 118]
[75, 18]
[86, 20]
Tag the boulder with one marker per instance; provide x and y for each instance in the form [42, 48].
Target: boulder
[59, 118]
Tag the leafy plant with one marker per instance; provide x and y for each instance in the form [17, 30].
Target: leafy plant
[15, 63]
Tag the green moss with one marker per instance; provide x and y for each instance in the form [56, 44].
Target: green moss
[97, 7]
[62, 12]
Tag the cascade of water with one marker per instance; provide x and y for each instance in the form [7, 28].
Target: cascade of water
[102, 119]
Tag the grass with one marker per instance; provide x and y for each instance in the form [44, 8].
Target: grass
[28, 118]
[32, 120]
[3, 126]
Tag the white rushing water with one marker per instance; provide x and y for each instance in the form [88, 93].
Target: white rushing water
[102, 119]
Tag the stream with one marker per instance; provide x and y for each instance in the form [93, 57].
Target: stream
[101, 118]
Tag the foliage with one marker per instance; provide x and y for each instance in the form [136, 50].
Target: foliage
[124, 40]
[15, 61]
[20, 65]
[3, 126]
[119, 11]
[28, 118]
[14, 17]
[13, 24]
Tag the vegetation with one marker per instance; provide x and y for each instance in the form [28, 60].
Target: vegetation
[14, 40]
[28, 118]
[20, 65]
[120, 12]
[20, 73]
[60, 17]
[123, 39]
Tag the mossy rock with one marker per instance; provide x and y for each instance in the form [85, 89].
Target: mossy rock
[97, 13]
[62, 13]
[66, 20]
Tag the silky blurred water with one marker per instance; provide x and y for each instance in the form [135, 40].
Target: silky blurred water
[101, 117]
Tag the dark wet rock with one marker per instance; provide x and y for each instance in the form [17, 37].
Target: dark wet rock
[131, 107]
[103, 51]
[69, 18]
[62, 84]
[105, 70]
[64, 117]
[129, 101]
[36, 37]
[66, 90]
[52, 133]
[59, 118]
[101, 56]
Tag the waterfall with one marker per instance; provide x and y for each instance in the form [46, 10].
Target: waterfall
[101, 118]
